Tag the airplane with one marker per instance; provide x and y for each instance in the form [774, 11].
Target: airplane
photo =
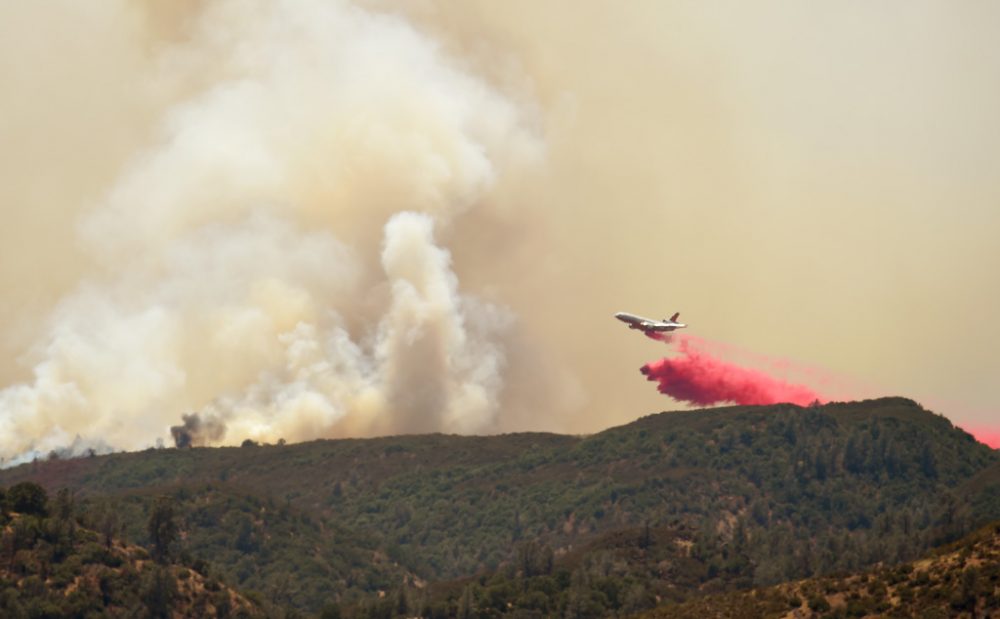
[650, 326]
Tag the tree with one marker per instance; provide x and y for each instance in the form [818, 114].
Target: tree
[158, 591]
[853, 458]
[8, 547]
[244, 541]
[27, 498]
[465, 604]
[928, 463]
[109, 523]
[646, 538]
[402, 603]
[162, 528]
[64, 505]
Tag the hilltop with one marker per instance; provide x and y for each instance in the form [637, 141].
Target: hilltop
[724, 499]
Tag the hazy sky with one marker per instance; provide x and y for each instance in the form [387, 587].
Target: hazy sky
[814, 183]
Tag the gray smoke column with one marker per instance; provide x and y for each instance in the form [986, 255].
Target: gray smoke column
[237, 271]
[195, 431]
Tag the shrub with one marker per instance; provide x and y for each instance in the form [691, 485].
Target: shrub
[818, 604]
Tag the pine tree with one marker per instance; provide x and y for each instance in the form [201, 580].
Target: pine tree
[162, 528]
[158, 592]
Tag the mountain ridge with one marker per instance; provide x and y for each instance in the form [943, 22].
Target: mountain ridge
[829, 487]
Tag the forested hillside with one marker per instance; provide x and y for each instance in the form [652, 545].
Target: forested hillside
[670, 506]
[56, 561]
[959, 580]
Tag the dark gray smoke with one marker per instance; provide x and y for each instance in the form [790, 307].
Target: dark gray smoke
[197, 431]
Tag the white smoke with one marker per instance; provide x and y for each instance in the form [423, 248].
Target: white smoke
[235, 276]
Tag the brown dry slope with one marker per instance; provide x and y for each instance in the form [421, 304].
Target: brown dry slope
[53, 567]
[959, 580]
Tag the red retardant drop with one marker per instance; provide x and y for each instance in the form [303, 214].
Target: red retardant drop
[988, 437]
[699, 378]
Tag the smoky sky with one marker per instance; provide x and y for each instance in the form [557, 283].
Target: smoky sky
[346, 219]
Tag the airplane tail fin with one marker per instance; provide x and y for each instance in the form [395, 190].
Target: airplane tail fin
[675, 317]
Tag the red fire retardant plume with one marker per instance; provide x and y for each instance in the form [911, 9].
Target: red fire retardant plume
[985, 436]
[699, 378]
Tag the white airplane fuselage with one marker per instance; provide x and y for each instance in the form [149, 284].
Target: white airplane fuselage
[650, 326]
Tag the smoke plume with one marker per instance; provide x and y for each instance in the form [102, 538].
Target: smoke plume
[195, 198]
[697, 377]
[236, 270]
[196, 431]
